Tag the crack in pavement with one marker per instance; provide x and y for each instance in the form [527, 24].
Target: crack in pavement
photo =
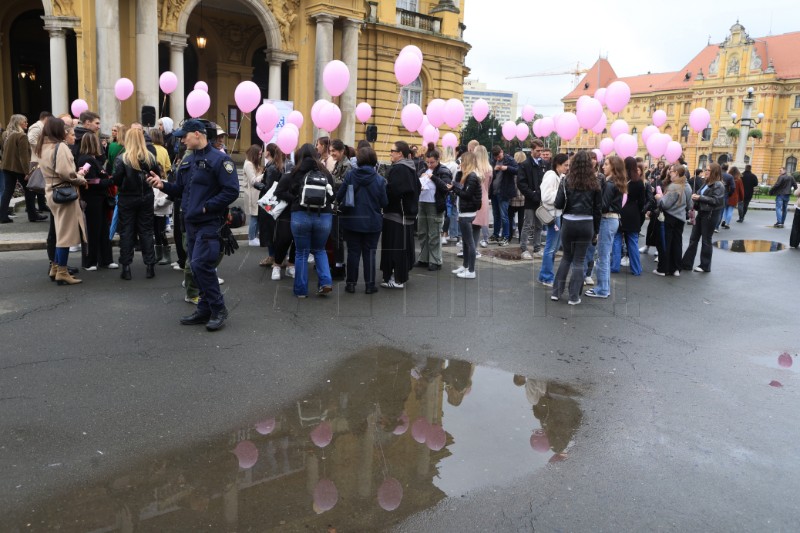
[48, 307]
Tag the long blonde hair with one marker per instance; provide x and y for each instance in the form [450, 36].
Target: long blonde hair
[136, 150]
[469, 164]
[482, 162]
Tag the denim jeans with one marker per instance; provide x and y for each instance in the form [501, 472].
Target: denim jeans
[469, 234]
[500, 212]
[546, 274]
[452, 213]
[632, 242]
[311, 231]
[577, 234]
[781, 203]
[728, 214]
[605, 239]
[252, 229]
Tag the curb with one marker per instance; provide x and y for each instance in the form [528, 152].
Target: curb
[39, 244]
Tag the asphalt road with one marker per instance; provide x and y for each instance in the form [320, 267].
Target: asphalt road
[680, 428]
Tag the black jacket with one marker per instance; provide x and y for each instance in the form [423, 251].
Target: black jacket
[290, 186]
[132, 183]
[632, 214]
[612, 198]
[529, 182]
[575, 202]
[750, 182]
[441, 177]
[402, 189]
[469, 194]
[96, 172]
[505, 181]
[713, 198]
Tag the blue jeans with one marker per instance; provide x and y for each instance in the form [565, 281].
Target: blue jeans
[632, 242]
[605, 240]
[252, 229]
[61, 257]
[546, 274]
[311, 231]
[452, 213]
[728, 214]
[500, 212]
[781, 203]
[588, 264]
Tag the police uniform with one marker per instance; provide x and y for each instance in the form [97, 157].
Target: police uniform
[208, 183]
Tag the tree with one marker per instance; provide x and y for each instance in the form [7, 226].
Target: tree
[480, 131]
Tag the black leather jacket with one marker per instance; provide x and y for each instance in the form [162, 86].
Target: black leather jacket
[576, 202]
[713, 198]
[441, 177]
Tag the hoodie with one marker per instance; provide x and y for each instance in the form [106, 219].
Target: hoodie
[369, 196]
[402, 189]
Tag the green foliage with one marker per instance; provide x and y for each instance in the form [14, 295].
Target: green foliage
[733, 133]
[479, 131]
[756, 134]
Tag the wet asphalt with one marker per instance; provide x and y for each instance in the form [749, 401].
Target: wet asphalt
[680, 427]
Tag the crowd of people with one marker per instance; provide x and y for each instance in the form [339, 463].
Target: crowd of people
[327, 205]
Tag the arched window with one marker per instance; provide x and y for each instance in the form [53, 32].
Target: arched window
[706, 134]
[685, 132]
[412, 93]
[791, 164]
[729, 104]
[703, 161]
[634, 131]
[794, 132]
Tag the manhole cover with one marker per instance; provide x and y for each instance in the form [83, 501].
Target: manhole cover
[750, 246]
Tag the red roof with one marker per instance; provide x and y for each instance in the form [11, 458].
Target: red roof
[783, 51]
[600, 75]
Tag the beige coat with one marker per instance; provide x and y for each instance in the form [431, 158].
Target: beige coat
[68, 218]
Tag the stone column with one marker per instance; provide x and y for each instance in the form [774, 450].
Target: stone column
[276, 58]
[177, 44]
[108, 62]
[147, 55]
[324, 54]
[59, 90]
[347, 130]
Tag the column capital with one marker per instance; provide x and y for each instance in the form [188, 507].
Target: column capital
[324, 18]
[279, 56]
[352, 23]
[56, 25]
[174, 40]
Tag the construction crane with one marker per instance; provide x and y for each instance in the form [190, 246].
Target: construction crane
[576, 73]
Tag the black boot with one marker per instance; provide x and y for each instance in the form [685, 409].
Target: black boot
[350, 287]
[126, 272]
[217, 320]
[371, 288]
[151, 271]
[195, 318]
[167, 258]
[159, 253]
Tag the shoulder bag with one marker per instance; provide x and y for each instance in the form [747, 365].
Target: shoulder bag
[35, 181]
[63, 194]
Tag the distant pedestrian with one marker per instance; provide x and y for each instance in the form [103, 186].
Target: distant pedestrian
[782, 189]
[15, 166]
[709, 201]
[469, 194]
[749, 182]
[550, 185]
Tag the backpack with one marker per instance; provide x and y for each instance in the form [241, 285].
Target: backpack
[314, 190]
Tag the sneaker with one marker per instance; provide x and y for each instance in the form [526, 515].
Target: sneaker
[90, 269]
[289, 271]
[484, 244]
[220, 281]
[460, 254]
[592, 294]
[392, 284]
[183, 284]
[444, 241]
[780, 226]
[546, 283]
[112, 266]
[459, 245]
[459, 270]
[554, 298]
[700, 269]
[515, 235]
[477, 254]
[466, 275]
[276, 273]
[193, 301]
[538, 253]
[526, 255]
[267, 261]
[657, 273]
[503, 242]
[644, 249]
[176, 266]
[717, 231]
[254, 242]
[588, 280]
[324, 290]
[310, 259]
[575, 302]
[494, 238]
[625, 262]
[677, 273]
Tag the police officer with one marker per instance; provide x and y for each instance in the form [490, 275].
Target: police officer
[208, 183]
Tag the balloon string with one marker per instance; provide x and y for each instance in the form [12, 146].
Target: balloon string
[394, 117]
[163, 105]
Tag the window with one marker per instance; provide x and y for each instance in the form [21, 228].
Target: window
[670, 110]
[687, 108]
[703, 161]
[634, 131]
[791, 164]
[747, 160]
[794, 132]
[685, 132]
[729, 104]
[408, 5]
[706, 134]
[797, 101]
[412, 93]
[709, 104]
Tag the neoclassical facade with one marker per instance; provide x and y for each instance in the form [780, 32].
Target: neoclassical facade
[717, 78]
[53, 51]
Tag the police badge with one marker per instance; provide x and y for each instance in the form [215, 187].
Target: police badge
[229, 166]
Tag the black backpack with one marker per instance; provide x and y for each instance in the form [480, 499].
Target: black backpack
[314, 190]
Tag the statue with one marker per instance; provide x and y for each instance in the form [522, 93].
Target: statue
[285, 15]
[733, 66]
[713, 68]
[62, 8]
[755, 60]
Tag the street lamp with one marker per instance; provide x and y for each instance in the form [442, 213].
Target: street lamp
[202, 40]
[492, 131]
[746, 123]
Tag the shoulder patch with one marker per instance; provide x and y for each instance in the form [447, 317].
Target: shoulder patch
[228, 166]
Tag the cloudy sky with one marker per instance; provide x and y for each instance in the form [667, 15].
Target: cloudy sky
[518, 37]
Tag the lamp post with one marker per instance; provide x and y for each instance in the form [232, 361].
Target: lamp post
[744, 131]
[492, 131]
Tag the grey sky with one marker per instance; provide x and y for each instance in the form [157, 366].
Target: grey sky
[516, 37]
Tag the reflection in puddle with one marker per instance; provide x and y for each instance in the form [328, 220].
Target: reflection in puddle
[782, 361]
[750, 246]
[385, 436]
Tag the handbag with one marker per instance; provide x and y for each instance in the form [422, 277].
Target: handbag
[35, 181]
[544, 216]
[65, 194]
[271, 204]
[350, 196]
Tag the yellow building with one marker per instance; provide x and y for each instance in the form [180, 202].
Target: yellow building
[54, 51]
[717, 78]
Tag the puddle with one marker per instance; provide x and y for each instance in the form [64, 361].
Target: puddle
[750, 246]
[779, 361]
[385, 435]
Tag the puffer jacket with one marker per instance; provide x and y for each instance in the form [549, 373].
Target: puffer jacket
[469, 197]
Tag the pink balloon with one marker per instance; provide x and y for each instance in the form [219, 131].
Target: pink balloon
[287, 140]
[659, 118]
[449, 140]
[618, 94]
[419, 430]
[430, 134]
[657, 144]
[539, 441]
[582, 100]
[329, 117]
[415, 51]
[598, 153]
[536, 128]
[363, 112]
[618, 127]
[247, 453]
[509, 130]
[201, 86]
[522, 131]
[296, 118]
[265, 427]
[78, 106]
[453, 113]
[647, 132]
[247, 96]
[336, 77]
[436, 438]
[547, 127]
[699, 119]
[197, 103]
[411, 117]
[600, 95]
[322, 435]
[292, 127]
[325, 495]
[402, 427]
[267, 116]
[435, 112]
[600, 127]
[785, 360]
[123, 89]
[607, 146]
[673, 151]
[625, 145]
[567, 126]
[480, 109]
[589, 113]
[556, 118]
[390, 494]
[168, 82]
[407, 68]
[424, 124]
[528, 112]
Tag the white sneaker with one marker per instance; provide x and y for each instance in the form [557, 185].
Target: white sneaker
[392, 284]
[289, 271]
[484, 244]
[677, 273]
[460, 254]
[254, 242]
[310, 259]
[625, 262]
[183, 284]
[657, 273]
[459, 270]
[459, 245]
[444, 240]
[74, 248]
[112, 266]
[700, 269]
[477, 254]
[644, 249]
[90, 269]
[588, 280]
[220, 281]
[574, 302]
[176, 266]
[526, 255]
[466, 275]
[276, 273]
